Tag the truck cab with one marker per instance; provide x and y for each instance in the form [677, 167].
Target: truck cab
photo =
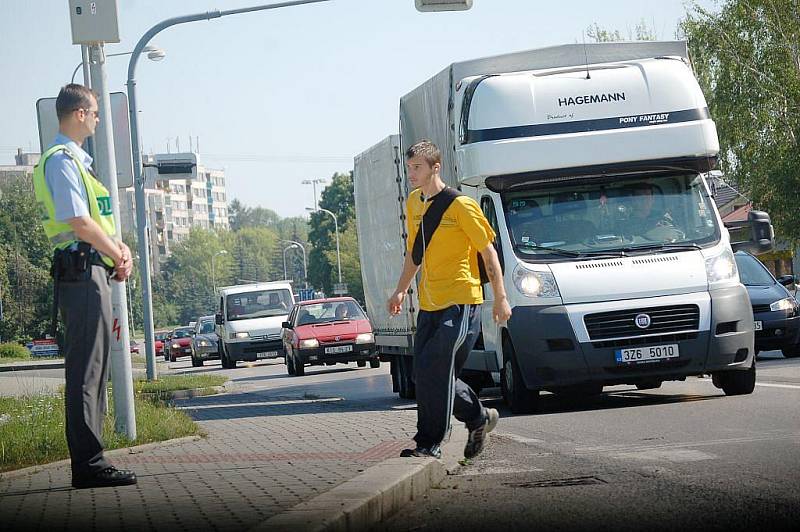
[249, 321]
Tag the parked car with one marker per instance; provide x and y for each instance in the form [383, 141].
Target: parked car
[205, 342]
[775, 311]
[179, 344]
[328, 331]
[161, 338]
[134, 347]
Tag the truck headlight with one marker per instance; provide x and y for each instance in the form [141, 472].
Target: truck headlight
[237, 335]
[365, 338]
[311, 343]
[783, 304]
[721, 267]
[535, 284]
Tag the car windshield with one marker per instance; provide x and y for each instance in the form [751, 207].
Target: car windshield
[161, 336]
[327, 312]
[259, 304]
[610, 216]
[206, 327]
[752, 272]
[181, 333]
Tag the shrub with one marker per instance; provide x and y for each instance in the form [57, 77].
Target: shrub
[12, 350]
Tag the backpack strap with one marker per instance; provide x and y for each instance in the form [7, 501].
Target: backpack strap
[430, 222]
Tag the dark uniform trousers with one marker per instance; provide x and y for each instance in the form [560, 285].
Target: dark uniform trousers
[443, 341]
[85, 307]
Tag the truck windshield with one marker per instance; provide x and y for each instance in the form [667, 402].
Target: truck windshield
[610, 217]
[258, 304]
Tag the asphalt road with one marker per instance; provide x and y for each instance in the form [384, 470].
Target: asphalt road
[680, 457]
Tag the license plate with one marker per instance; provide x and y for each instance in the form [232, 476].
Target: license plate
[267, 354]
[759, 326]
[636, 355]
[338, 349]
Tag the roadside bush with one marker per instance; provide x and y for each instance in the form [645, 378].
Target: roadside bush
[12, 350]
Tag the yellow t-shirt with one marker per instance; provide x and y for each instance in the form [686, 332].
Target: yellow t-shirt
[450, 274]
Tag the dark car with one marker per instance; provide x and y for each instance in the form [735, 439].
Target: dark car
[775, 310]
[326, 332]
[179, 344]
[205, 342]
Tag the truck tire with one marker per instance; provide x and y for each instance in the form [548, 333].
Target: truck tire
[374, 363]
[361, 363]
[518, 398]
[227, 363]
[736, 382]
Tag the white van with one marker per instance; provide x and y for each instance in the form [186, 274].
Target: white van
[589, 162]
[249, 319]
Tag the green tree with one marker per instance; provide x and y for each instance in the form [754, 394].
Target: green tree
[747, 59]
[640, 32]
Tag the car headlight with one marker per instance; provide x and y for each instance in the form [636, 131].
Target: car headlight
[236, 335]
[176, 346]
[721, 267]
[204, 343]
[365, 338]
[535, 284]
[311, 343]
[783, 304]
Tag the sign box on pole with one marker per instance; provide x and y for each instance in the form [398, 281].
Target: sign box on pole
[94, 21]
[48, 127]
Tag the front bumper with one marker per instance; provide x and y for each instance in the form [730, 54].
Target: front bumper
[318, 355]
[180, 352]
[779, 330]
[254, 350]
[206, 352]
[550, 356]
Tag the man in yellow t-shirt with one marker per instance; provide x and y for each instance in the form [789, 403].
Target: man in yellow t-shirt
[450, 295]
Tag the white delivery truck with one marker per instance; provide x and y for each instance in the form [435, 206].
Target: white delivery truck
[589, 161]
[249, 321]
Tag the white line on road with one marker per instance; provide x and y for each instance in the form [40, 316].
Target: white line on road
[770, 385]
[261, 403]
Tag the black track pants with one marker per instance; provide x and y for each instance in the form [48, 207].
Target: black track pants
[443, 340]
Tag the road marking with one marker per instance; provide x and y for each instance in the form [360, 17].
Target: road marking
[260, 403]
[518, 439]
[770, 385]
[724, 441]
[673, 455]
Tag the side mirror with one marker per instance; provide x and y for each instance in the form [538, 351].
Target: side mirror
[762, 235]
[218, 319]
[286, 325]
[786, 280]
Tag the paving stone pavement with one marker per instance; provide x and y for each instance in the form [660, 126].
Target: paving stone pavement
[262, 455]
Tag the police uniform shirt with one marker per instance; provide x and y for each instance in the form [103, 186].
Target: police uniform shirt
[65, 182]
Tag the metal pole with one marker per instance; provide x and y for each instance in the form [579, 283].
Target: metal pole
[141, 214]
[87, 82]
[121, 373]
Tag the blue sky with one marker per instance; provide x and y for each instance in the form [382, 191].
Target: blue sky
[290, 94]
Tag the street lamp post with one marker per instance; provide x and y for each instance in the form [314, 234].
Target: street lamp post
[336, 225]
[305, 265]
[287, 248]
[154, 53]
[213, 274]
[141, 213]
[313, 182]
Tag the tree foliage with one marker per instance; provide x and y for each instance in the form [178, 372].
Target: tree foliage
[747, 59]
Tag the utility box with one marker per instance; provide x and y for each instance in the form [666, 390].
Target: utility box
[94, 21]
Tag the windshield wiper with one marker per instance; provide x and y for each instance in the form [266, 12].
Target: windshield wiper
[661, 247]
[558, 251]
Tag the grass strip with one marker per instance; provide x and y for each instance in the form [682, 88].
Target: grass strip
[171, 383]
[32, 428]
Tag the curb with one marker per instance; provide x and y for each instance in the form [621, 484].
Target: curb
[25, 366]
[371, 497]
[183, 394]
[15, 473]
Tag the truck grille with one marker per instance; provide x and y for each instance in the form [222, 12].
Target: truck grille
[622, 323]
[262, 347]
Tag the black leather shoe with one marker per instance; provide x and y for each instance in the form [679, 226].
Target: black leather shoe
[108, 477]
[422, 452]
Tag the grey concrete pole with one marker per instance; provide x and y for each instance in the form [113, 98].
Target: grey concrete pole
[87, 82]
[106, 166]
[141, 212]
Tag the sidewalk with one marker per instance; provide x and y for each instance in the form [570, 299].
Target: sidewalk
[264, 454]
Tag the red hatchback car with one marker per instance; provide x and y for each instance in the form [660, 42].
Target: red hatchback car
[327, 332]
[179, 344]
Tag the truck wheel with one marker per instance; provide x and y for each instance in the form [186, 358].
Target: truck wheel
[517, 396]
[736, 382]
[361, 363]
[227, 363]
[374, 363]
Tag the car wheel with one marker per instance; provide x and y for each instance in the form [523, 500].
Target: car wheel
[197, 362]
[226, 362]
[648, 385]
[299, 368]
[361, 363]
[374, 363]
[791, 351]
[289, 363]
[172, 358]
[740, 382]
[517, 396]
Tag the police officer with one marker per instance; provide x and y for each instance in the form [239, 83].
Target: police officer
[76, 213]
